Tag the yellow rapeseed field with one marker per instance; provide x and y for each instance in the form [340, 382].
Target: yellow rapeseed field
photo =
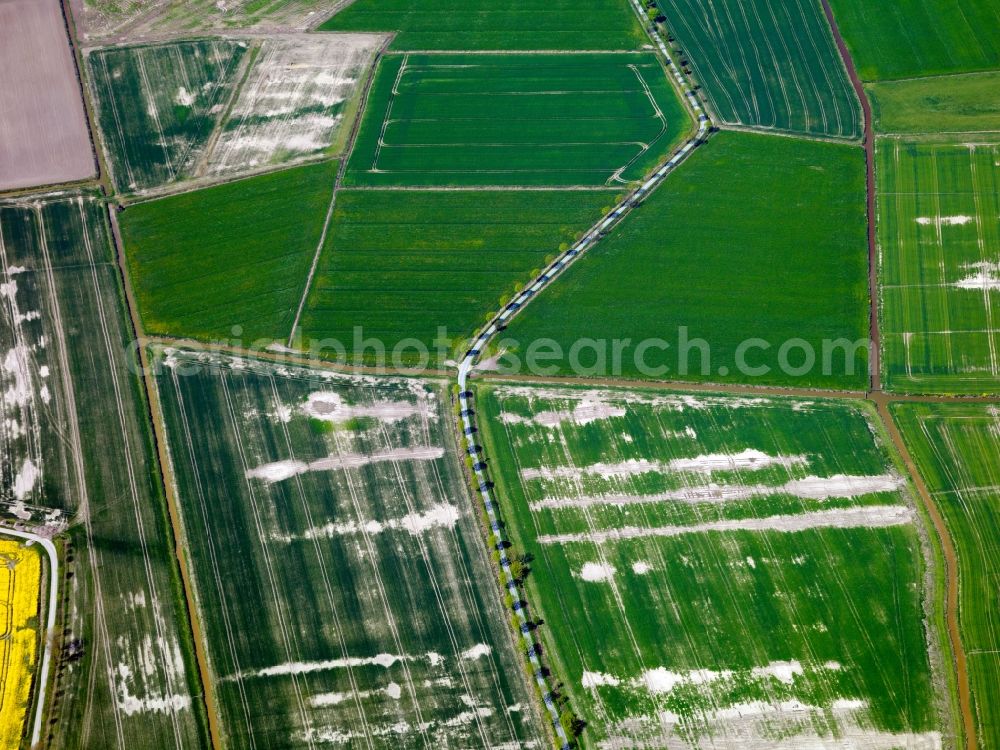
[20, 574]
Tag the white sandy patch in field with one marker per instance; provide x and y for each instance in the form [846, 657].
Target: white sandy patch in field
[278, 471]
[598, 679]
[594, 572]
[842, 486]
[308, 667]
[811, 488]
[184, 97]
[750, 458]
[660, 680]
[631, 467]
[672, 402]
[439, 516]
[476, 652]
[26, 478]
[586, 411]
[760, 725]
[330, 406]
[325, 700]
[783, 671]
[17, 367]
[945, 221]
[152, 703]
[468, 717]
[985, 277]
[135, 599]
[641, 568]
[877, 516]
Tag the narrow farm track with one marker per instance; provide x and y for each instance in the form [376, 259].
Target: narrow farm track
[50, 626]
[499, 322]
[951, 581]
[154, 413]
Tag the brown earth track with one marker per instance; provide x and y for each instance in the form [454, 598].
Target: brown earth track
[154, 412]
[881, 402]
[950, 555]
[869, 146]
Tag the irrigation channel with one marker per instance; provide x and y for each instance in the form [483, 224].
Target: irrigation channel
[50, 623]
[498, 323]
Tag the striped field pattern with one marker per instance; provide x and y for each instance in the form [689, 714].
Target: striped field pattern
[939, 234]
[343, 579]
[581, 119]
[717, 571]
[767, 65]
[77, 449]
[956, 447]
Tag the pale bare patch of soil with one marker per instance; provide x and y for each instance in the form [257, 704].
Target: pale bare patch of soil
[848, 518]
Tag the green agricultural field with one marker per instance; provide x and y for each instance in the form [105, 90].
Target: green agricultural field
[767, 65]
[402, 264]
[495, 24]
[77, 451]
[340, 568]
[956, 448]
[157, 106]
[716, 571]
[237, 254]
[967, 103]
[516, 120]
[756, 237]
[940, 265]
[920, 37]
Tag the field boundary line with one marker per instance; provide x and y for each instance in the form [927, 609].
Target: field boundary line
[932, 76]
[300, 359]
[485, 188]
[341, 171]
[509, 52]
[738, 127]
[50, 624]
[154, 413]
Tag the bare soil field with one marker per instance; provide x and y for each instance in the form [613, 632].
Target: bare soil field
[208, 109]
[144, 19]
[43, 130]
